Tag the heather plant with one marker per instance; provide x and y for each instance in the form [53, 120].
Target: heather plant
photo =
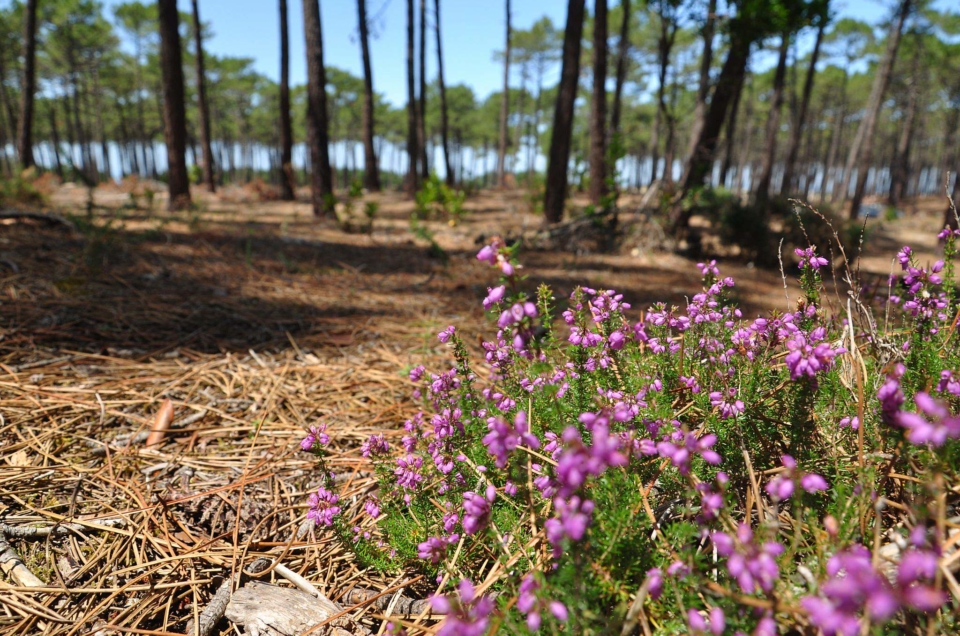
[680, 470]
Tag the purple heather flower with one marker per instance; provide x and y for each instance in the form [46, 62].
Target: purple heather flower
[805, 359]
[445, 335]
[812, 482]
[948, 383]
[488, 254]
[654, 583]
[808, 257]
[532, 606]
[408, 471]
[375, 445]
[782, 486]
[315, 435]
[494, 296]
[729, 406]
[616, 340]
[434, 549]
[715, 625]
[323, 507]
[855, 588]
[709, 268]
[680, 455]
[752, 565]
[573, 518]
[934, 426]
[468, 615]
[416, 373]
[476, 510]
[372, 507]
[852, 422]
[503, 439]
[890, 396]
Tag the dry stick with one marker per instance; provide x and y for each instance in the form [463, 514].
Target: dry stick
[213, 612]
[161, 423]
[12, 566]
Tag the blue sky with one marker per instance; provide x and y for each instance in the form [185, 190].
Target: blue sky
[472, 30]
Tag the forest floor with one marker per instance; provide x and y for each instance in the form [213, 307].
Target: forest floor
[255, 321]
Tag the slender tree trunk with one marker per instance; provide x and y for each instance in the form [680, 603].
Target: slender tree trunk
[28, 85]
[793, 146]
[422, 108]
[444, 125]
[371, 170]
[287, 179]
[623, 54]
[504, 110]
[52, 113]
[413, 176]
[773, 127]
[559, 154]
[598, 106]
[900, 170]
[174, 113]
[101, 130]
[5, 99]
[668, 33]
[862, 147]
[701, 160]
[703, 87]
[317, 121]
[731, 133]
[202, 106]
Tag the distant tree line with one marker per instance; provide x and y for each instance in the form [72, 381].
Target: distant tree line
[662, 94]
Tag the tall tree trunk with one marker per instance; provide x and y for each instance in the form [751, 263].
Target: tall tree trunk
[422, 109]
[773, 127]
[623, 53]
[448, 168]
[703, 87]
[101, 130]
[317, 121]
[287, 179]
[668, 32]
[559, 154]
[793, 146]
[731, 133]
[900, 170]
[701, 159]
[28, 86]
[413, 176]
[862, 147]
[52, 113]
[202, 105]
[505, 109]
[174, 113]
[598, 106]
[371, 170]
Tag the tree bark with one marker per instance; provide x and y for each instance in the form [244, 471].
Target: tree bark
[174, 113]
[317, 121]
[504, 109]
[862, 147]
[623, 52]
[772, 127]
[444, 124]
[413, 176]
[703, 87]
[371, 170]
[731, 133]
[422, 108]
[598, 106]
[287, 179]
[793, 146]
[28, 87]
[701, 159]
[559, 154]
[202, 106]
[900, 170]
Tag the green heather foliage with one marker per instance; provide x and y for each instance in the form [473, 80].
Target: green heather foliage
[693, 471]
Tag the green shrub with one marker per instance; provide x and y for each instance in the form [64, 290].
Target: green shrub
[696, 471]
